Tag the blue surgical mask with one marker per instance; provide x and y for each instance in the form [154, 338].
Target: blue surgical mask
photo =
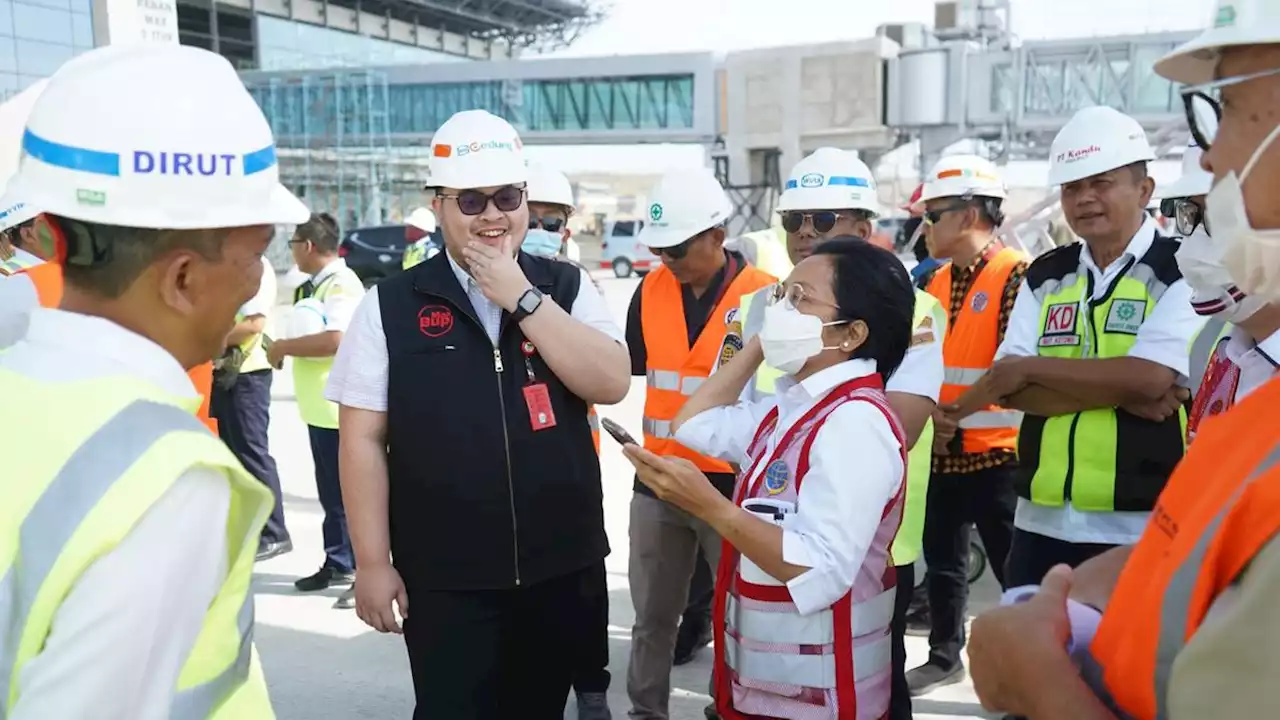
[542, 243]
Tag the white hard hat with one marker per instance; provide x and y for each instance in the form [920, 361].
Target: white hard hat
[1096, 140]
[683, 204]
[16, 214]
[475, 149]
[548, 185]
[963, 176]
[830, 179]
[1194, 181]
[423, 219]
[173, 141]
[1235, 23]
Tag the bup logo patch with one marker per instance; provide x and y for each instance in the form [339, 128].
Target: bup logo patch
[1060, 325]
[435, 321]
[1125, 316]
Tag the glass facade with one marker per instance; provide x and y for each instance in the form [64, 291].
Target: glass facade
[339, 105]
[288, 45]
[37, 36]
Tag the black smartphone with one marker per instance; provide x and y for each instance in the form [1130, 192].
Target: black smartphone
[614, 429]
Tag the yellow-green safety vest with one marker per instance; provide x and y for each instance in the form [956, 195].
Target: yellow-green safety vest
[255, 357]
[1104, 459]
[310, 375]
[415, 254]
[77, 493]
[907, 544]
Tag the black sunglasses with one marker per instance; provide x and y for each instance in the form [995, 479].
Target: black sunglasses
[823, 220]
[675, 252]
[550, 224]
[473, 202]
[933, 217]
[1186, 215]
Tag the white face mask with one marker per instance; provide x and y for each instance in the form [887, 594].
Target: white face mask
[789, 337]
[1251, 256]
[1214, 293]
[542, 243]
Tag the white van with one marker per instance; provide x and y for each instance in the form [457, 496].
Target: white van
[621, 252]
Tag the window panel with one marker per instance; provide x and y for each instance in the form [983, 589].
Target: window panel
[6, 18]
[41, 59]
[8, 85]
[55, 4]
[82, 31]
[8, 55]
[37, 23]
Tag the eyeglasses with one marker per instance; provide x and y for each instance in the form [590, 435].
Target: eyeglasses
[474, 202]
[823, 221]
[1186, 215]
[793, 295]
[675, 252]
[1204, 109]
[550, 224]
[933, 217]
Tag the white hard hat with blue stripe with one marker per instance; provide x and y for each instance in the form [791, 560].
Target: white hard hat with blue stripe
[157, 136]
[16, 214]
[830, 179]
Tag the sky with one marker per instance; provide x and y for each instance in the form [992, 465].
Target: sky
[660, 26]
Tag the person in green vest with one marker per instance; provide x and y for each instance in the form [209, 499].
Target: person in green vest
[829, 194]
[419, 233]
[130, 530]
[334, 291]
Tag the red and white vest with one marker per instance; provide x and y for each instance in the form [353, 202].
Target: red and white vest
[773, 662]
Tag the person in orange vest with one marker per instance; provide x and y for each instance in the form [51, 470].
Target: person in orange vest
[975, 460]
[1189, 625]
[39, 284]
[675, 323]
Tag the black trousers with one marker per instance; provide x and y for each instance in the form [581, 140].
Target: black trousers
[900, 695]
[337, 541]
[1033, 555]
[498, 654]
[243, 412]
[591, 671]
[987, 499]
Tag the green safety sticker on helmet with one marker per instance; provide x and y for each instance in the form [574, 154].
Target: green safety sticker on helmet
[91, 197]
[655, 212]
[1226, 16]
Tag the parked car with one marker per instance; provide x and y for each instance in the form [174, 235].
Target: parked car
[621, 252]
[376, 253]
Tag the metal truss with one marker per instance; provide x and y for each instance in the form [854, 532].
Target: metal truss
[541, 24]
[635, 103]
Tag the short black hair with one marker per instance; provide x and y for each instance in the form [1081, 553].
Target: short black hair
[872, 285]
[107, 259]
[320, 230]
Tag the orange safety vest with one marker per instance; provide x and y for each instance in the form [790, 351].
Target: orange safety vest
[47, 279]
[674, 370]
[594, 421]
[972, 340]
[1220, 508]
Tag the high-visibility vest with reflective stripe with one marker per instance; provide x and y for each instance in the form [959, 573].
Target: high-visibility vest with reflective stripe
[48, 282]
[1219, 395]
[771, 661]
[1103, 459]
[928, 312]
[1220, 509]
[311, 374]
[972, 340]
[17, 264]
[593, 420]
[674, 369]
[98, 455]
[415, 254]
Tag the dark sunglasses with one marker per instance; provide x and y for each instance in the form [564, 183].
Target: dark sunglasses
[823, 220]
[675, 252]
[473, 202]
[1186, 215]
[550, 224]
[933, 217]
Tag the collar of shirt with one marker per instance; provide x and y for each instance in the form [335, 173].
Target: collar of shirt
[464, 278]
[107, 347]
[1244, 351]
[1138, 246]
[333, 267]
[793, 396]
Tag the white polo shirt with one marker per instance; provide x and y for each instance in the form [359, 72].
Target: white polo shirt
[1164, 338]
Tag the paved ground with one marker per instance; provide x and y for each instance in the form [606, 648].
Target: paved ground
[324, 664]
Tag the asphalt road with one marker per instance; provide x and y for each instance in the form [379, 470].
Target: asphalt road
[324, 664]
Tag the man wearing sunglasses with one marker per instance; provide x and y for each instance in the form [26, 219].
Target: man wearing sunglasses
[1190, 626]
[466, 454]
[832, 193]
[1239, 348]
[675, 323]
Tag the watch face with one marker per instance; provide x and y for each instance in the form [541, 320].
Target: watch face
[530, 301]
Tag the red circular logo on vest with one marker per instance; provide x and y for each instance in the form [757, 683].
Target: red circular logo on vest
[435, 320]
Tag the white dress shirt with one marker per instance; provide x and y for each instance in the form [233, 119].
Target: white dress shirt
[342, 294]
[855, 467]
[121, 637]
[1258, 361]
[1164, 338]
[359, 375]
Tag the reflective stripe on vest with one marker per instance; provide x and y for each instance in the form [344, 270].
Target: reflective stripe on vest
[1211, 524]
[311, 374]
[58, 513]
[973, 335]
[675, 370]
[1104, 459]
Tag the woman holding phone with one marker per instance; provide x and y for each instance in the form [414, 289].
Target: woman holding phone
[805, 589]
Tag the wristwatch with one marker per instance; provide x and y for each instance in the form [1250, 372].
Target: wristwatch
[528, 303]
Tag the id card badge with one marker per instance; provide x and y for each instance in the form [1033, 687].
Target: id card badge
[538, 400]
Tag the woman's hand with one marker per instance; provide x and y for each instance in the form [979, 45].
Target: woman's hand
[675, 480]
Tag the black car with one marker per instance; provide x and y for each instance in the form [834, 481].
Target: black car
[376, 253]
